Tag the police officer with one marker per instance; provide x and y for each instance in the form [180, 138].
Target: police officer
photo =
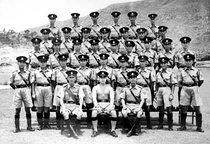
[113, 56]
[146, 78]
[94, 59]
[95, 27]
[86, 46]
[132, 100]
[103, 99]
[55, 31]
[84, 79]
[132, 15]
[20, 82]
[153, 28]
[66, 45]
[42, 91]
[165, 82]
[124, 32]
[73, 57]
[190, 78]
[115, 34]
[142, 33]
[76, 28]
[59, 78]
[32, 60]
[53, 58]
[71, 101]
[104, 43]
[46, 44]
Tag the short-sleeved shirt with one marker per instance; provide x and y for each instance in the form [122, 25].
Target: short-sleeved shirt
[139, 46]
[32, 60]
[132, 30]
[95, 30]
[76, 31]
[113, 60]
[152, 56]
[45, 46]
[59, 75]
[121, 77]
[180, 57]
[104, 47]
[166, 76]
[94, 60]
[55, 32]
[39, 78]
[86, 47]
[84, 75]
[169, 55]
[74, 60]
[133, 60]
[145, 77]
[53, 60]
[66, 46]
[115, 31]
[16, 79]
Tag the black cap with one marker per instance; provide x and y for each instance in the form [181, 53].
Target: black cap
[152, 16]
[75, 15]
[132, 14]
[115, 13]
[94, 41]
[63, 57]
[85, 30]
[162, 28]
[77, 41]
[147, 39]
[66, 30]
[94, 14]
[52, 16]
[129, 43]
[56, 41]
[189, 57]
[132, 74]
[185, 39]
[43, 58]
[124, 29]
[103, 74]
[143, 58]
[71, 73]
[123, 58]
[21, 59]
[141, 30]
[103, 56]
[167, 41]
[36, 40]
[114, 42]
[45, 31]
[163, 60]
[105, 30]
[83, 57]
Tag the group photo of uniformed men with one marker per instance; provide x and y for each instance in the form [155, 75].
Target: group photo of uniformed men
[122, 72]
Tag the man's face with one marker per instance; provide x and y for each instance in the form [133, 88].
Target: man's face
[43, 64]
[83, 62]
[114, 48]
[52, 21]
[95, 47]
[189, 63]
[72, 79]
[36, 45]
[129, 49]
[105, 35]
[63, 63]
[168, 47]
[115, 19]
[152, 21]
[123, 64]
[45, 36]
[86, 35]
[132, 80]
[132, 19]
[67, 35]
[77, 47]
[102, 80]
[94, 18]
[164, 65]
[125, 35]
[185, 45]
[142, 64]
[75, 20]
[147, 45]
[103, 62]
[21, 64]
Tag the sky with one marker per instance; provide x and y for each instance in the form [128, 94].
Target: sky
[19, 15]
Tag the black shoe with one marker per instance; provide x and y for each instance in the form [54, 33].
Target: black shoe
[170, 129]
[30, 129]
[160, 127]
[94, 134]
[149, 127]
[182, 128]
[16, 130]
[129, 134]
[113, 133]
[34, 108]
[40, 128]
[199, 129]
[47, 127]
[135, 132]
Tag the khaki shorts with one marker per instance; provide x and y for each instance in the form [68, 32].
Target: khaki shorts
[71, 109]
[190, 96]
[43, 96]
[163, 95]
[22, 95]
[104, 108]
[56, 99]
[118, 91]
[131, 108]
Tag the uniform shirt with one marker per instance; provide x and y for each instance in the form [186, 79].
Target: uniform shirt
[66, 46]
[115, 31]
[76, 31]
[46, 46]
[85, 47]
[59, 75]
[53, 60]
[184, 75]
[138, 92]
[152, 30]
[132, 30]
[73, 94]
[145, 77]
[104, 46]
[113, 60]
[32, 60]
[84, 75]
[169, 55]
[139, 46]
[122, 47]
[16, 79]
[133, 60]
[152, 56]
[121, 77]
[94, 59]
[55, 32]
[95, 30]
[168, 76]
[74, 60]
[180, 57]
[39, 78]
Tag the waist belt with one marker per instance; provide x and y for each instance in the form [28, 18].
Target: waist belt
[83, 83]
[121, 85]
[189, 85]
[70, 102]
[131, 37]
[44, 85]
[93, 66]
[103, 100]
[61, 84]
[143, 85]
[132, 102]
[162, 85]
[21, 86]
[34, 66]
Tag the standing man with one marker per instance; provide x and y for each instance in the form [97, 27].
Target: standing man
[132, 15]
[113, 56]
[76, 28]
[42, 91]
[94, 59]
[86, 46]
[103, 100]
[115, 34]
[132, 100]
[53, 58]
[104, 43]
[20, 82]
[55, 31]
[66, 45]
[124, 38]
[95, 27]
[46, 44]
[153, 28]
[190, 78]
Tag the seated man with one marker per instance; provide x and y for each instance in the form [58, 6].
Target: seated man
[103, 100]
[132, 100]
[71, 100]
